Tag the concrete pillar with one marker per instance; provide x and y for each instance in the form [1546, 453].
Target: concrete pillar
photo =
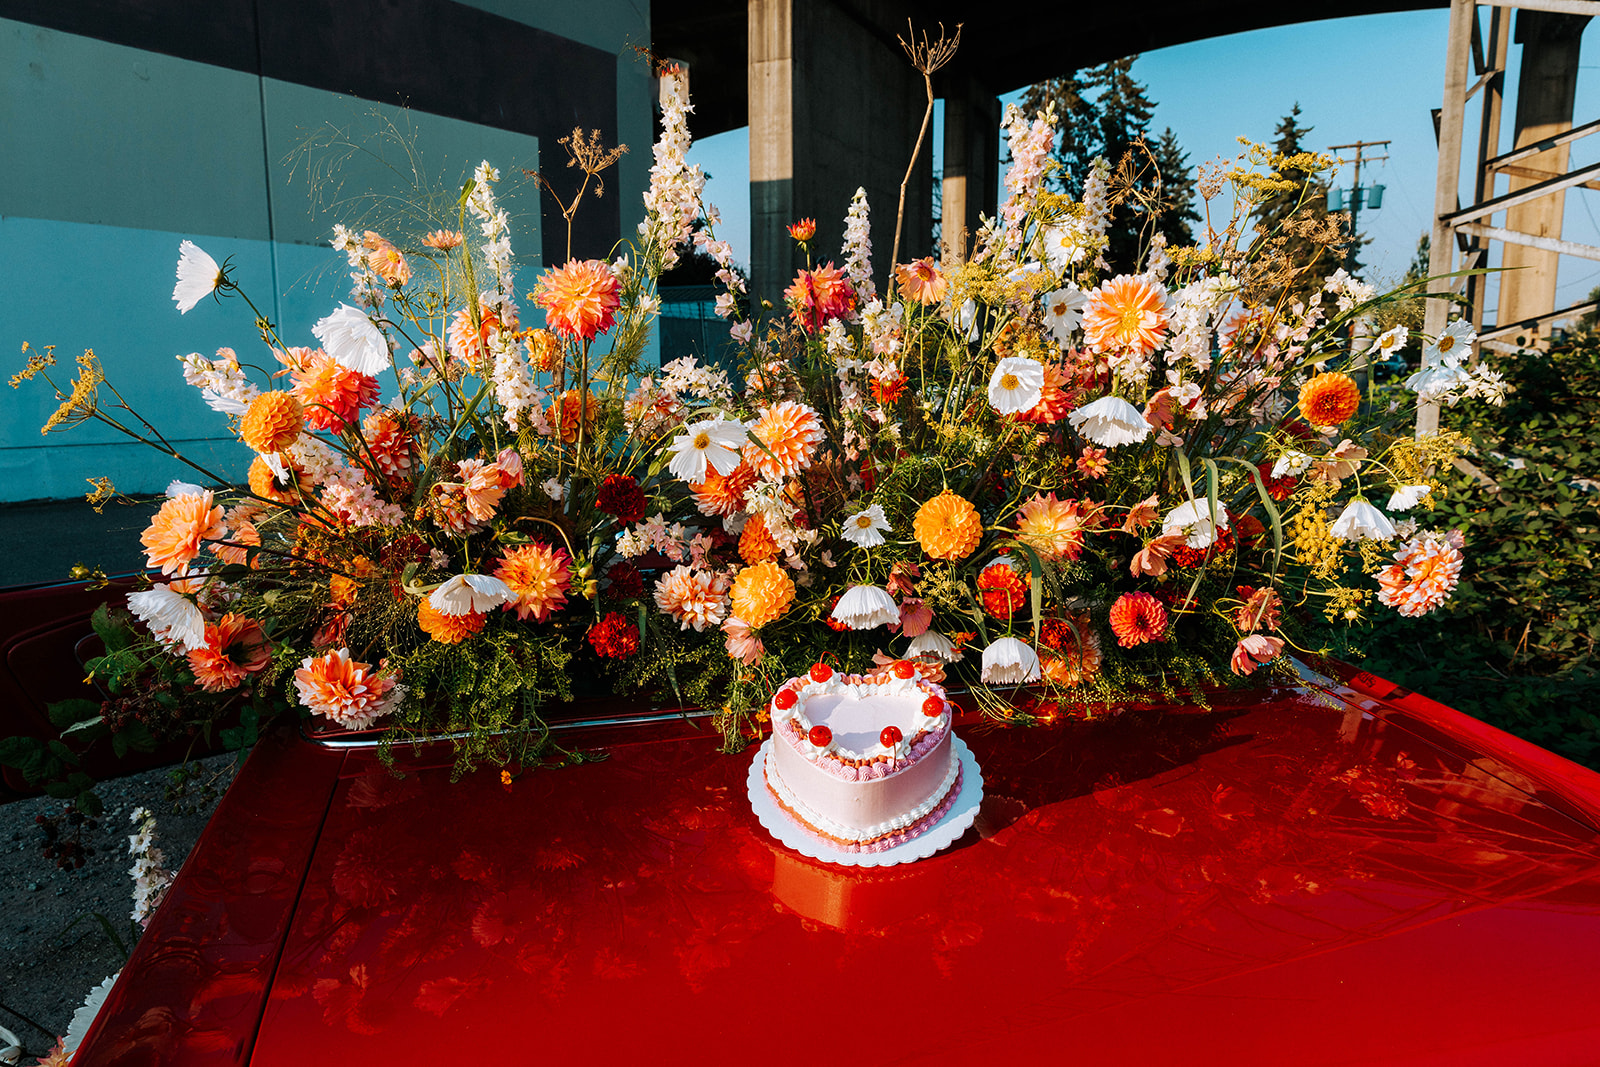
[1545, 92]
[834, 105]
[971, 163]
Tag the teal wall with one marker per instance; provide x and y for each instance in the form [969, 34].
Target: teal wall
[115, 154]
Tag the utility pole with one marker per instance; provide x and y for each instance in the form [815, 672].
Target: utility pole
[1357, 194]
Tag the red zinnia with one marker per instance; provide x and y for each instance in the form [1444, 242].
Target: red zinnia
[614, 636]
[1001, 590]
[1137, 618]
[621, 496]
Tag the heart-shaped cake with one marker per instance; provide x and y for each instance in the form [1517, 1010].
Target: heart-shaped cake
[862, 761]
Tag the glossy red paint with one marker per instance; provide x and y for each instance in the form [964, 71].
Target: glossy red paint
[1311, 875]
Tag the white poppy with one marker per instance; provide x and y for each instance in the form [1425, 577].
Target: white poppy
[1063, 311]
[864, 607]
[470, 594]
[1361, 521]
[866, 528]
[933, 643]
[1194, 521]
[198, 277]
[1009, 661]
[170, 615]
[1110, 421]
[1016, 385]
[349, 336]
[714, 443]
[1407, 497]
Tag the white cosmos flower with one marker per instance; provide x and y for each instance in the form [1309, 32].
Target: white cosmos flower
[1063, 311]
[177, 488]
[198, 277]
[349, 336]
[1194, 522]
[1361, 521]
[1392, 340]
[1110, 421]
[932, 642]
[1291, 463]
[1016, 385]
[170, 615]
[470, 593]
[866, 528]
[1450, 346]
[714, 443]
[1407, 497]
[1430, 383]
[1009, 661]
[865, 606]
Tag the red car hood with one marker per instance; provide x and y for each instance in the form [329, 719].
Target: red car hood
[1307, 876]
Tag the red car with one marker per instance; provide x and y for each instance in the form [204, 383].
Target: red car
[1338, 872]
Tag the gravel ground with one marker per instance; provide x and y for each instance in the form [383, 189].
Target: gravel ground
[53, 949]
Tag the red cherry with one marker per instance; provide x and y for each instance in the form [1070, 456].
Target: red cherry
[933, 707]
[821, 672]
[784, 699]
[820, 736]
[890, 736]
[903, 668]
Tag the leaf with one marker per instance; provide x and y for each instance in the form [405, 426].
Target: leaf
[70, 714]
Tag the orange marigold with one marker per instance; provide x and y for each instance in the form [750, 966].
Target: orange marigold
[755, 542]
[448, 629]
[539, 575]
[1127, 313]
[1001, 590]
[272, 422]
[1053, 528]
[948, 527]
[172, 540]
[724, 494]
[1137, 618]
[790, 433]
[761, 593]
[235, 648]
[264, 483]
[1329, 398]
[579, 299]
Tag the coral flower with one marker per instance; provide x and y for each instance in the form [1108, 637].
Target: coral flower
[1055, 398]
[1137, 618]
[579, 299]
[544, 351]
[1127, 313]
[333, 395]
[566, 411]
[756, 544]
[483, 487]
[761, 593]
[272, 422]
[235, 647]
[391, 439]
[448, 629]
[921, 281]
[345, 690]
[1053, 528]
[470, 344]
[1001, 590]
[724, 494]
[693, 598]
[1074, 650]
[443, 240]
[948, 527]
[742, 644]
[172, 540]
[1424, 574]
[264, 483]
[818, 296]
[385, 259]
[788, 434]
[621, 496]
[1329, 399]
[614, 636]
[804, 230]
[1254, 650]
[538, 575]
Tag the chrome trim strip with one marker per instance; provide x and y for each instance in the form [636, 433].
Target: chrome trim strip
[363, 742]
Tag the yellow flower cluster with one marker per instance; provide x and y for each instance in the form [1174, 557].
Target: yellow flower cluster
[1346, 604]
[1314, 547]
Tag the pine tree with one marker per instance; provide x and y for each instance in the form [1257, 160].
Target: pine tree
[1304, 207]
[1178, 187]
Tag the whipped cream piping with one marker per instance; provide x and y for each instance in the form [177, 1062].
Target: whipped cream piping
[850, 833]
[858, 686]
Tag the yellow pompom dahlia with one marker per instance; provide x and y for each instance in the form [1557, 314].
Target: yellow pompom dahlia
[761, 594]
[948, 527]
[272, 422]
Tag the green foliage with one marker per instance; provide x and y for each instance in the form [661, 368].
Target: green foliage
[1298, 211]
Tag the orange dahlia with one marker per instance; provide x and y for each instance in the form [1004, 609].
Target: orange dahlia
[172, 540]
[567, 410]
[1001, 590]
[544, 351]
[724, 494]
[818, 296]
[1055, 398]
[391, 440]
[579, 299]
[539, 575]
[755, 542]
[921, 282]
[345, 690]
[1329, 398]
[240, 536]
[948, 527]
[1424, 574]
[1053, 528]
[761, 593]
[472, 344]
[1127, 313]
[235, 648]
[448, 629]
[788, 434]
[886, 392]
[332, 393]
[1137, 618]
[272, 422]
[1069, 650]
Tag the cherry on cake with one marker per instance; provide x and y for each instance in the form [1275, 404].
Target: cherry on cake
[862, 761]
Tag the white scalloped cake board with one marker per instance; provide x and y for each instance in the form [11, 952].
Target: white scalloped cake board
[940, 835]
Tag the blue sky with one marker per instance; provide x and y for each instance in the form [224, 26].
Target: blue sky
[1369, 79]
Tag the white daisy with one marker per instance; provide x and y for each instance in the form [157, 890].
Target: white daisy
[1361, 521]
[198, 277]
[1451, 346]
[470, 593]
[1009, 661]
[714, 443]
[349, 336]
[1017, 384]
[1193, 521]
[864, 607]
[1392, 340]
[1291, 463]
[865, 529]
[1063, 311]
[1110, 421]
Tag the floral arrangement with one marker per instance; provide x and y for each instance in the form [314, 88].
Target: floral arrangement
[1010, 467]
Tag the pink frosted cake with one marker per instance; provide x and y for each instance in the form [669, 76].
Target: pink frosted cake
[862, 762]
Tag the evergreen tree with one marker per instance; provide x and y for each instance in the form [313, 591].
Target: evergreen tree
[1178, 186]
[1298, 219]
